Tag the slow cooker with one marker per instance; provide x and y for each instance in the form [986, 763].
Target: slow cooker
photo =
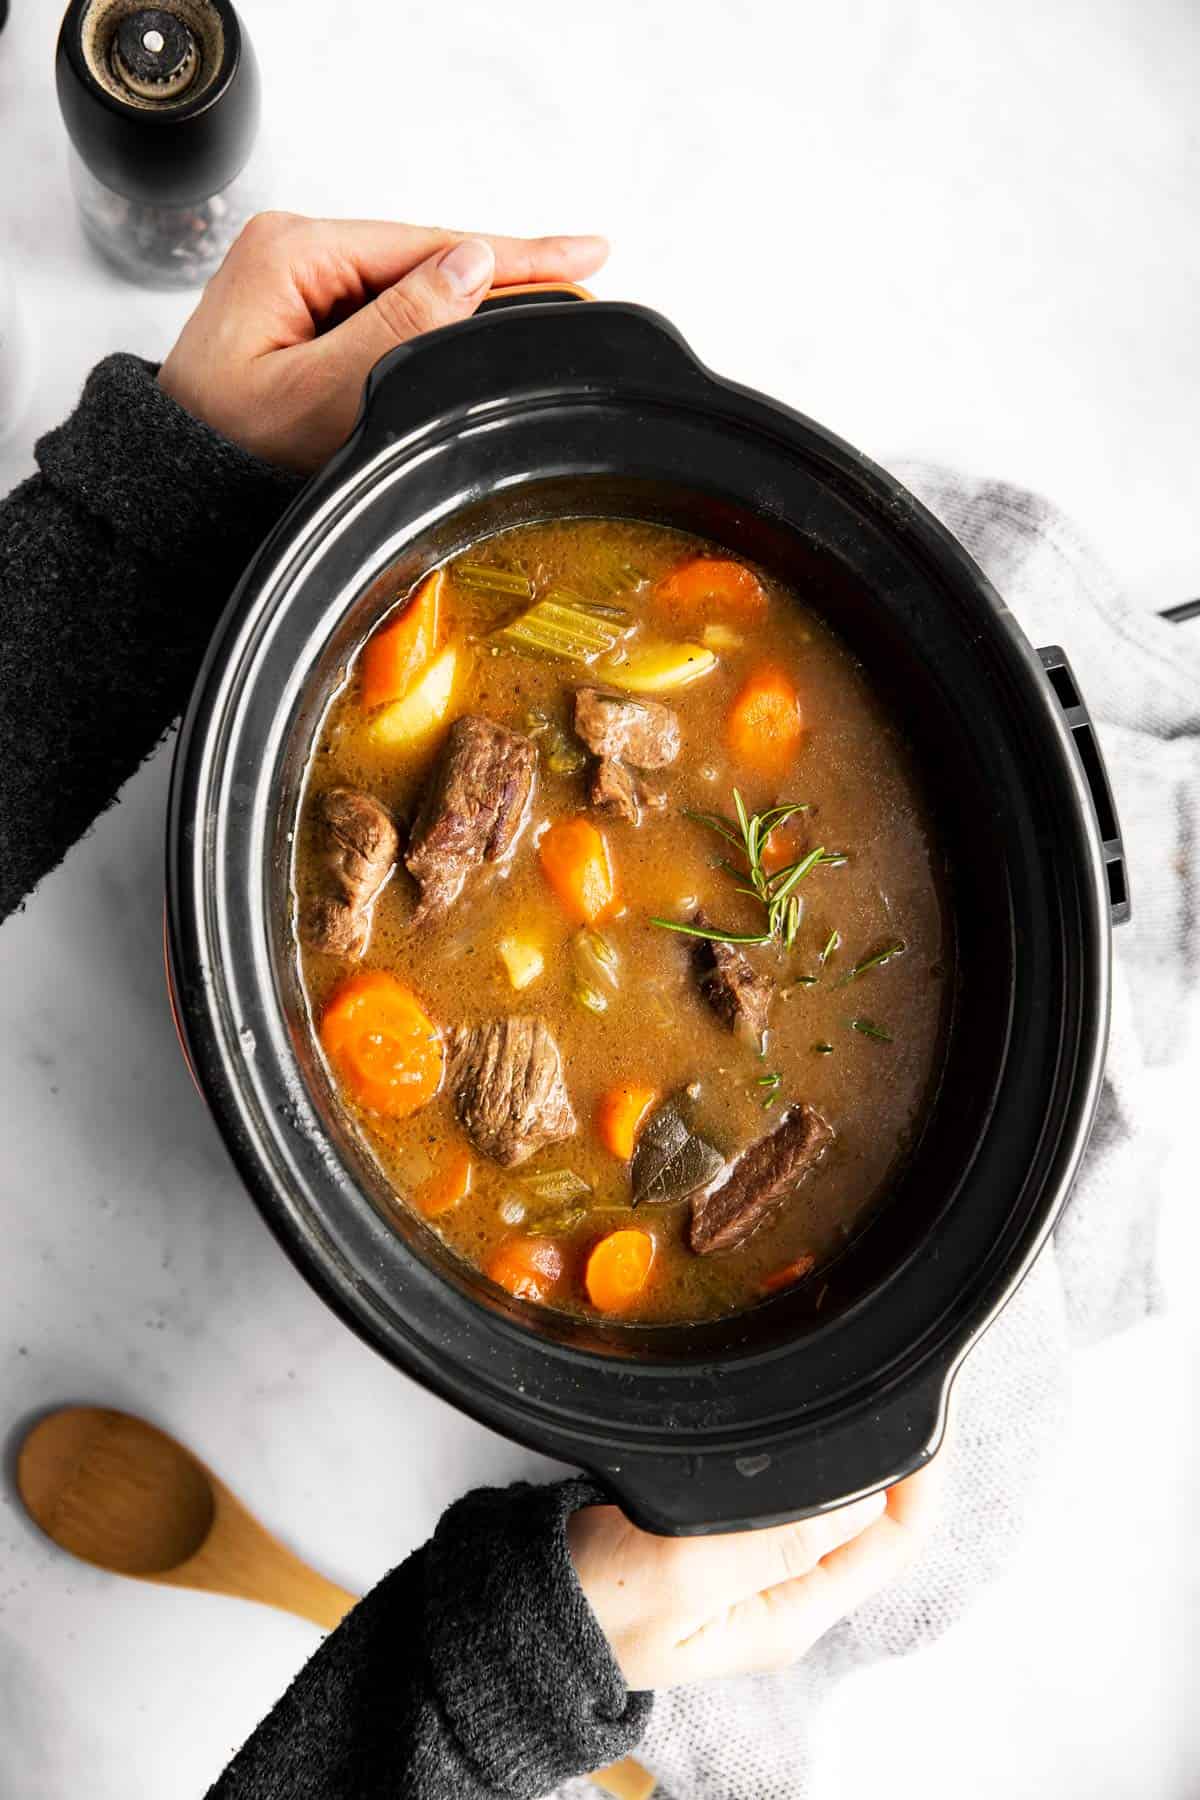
[542, 406]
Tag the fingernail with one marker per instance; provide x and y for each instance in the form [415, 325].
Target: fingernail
[468, 265]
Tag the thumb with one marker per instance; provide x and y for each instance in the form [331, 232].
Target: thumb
[445, 287]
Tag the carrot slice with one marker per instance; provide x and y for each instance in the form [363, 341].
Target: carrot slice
[527, 1267]
[446, 1186]
[785, 845]
[791, 1272]
[399, 650]
[712, 584]
[618, 1269]
[574, 857]
[764, 724]
[620, 1115]
[384, 1047]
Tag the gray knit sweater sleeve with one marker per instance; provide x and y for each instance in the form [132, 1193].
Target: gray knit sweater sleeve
[116, 560]
[476, 1669]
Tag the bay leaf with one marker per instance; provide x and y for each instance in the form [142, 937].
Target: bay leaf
[671, 1160]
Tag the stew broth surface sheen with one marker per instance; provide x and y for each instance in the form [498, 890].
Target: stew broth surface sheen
[856, 773]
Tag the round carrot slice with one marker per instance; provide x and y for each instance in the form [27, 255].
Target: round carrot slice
[384, 1048]
[764, 725]
[620, 1115]
[786, 844]
[447, 1186]
[790, 1273]
[575, 861]
[527, 1267]
[618, 1269]
[712, 584]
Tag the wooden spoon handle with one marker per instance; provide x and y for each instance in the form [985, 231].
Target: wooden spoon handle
[240, 1558]
[277, 1581]
[625, 1780]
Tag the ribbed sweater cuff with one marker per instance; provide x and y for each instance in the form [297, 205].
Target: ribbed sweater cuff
[163, 481]
[522, 1671]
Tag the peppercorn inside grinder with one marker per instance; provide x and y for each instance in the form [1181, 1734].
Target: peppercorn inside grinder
[161, 105]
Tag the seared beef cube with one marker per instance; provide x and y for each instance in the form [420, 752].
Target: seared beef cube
[641, 732]
[737, 993]
[356, 848]
[613, 789]
[759, 1179]
[474, 808]
[619, 792]
[508, 1088]
[332, 927]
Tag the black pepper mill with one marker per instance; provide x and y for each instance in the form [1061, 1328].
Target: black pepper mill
[161, 105]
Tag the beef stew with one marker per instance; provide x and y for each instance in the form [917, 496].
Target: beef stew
[670, 1037]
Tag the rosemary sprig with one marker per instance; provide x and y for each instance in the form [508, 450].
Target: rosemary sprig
[831, 944]
[715, 822]
[823, 1049]
[750, 834]
[771, 1083]
[874, 962]
[712, 932]
[869, 1029]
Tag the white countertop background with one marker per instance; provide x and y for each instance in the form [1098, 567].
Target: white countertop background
[943, 227]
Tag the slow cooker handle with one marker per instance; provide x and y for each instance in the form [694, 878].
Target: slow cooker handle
[693, 1494]
[426, 385]
[531, 293]
[1062, 680]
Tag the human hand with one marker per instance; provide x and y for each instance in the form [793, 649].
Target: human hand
[275, 355]
[678, 1610]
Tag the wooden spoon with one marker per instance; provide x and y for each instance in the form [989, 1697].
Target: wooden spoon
[117, 1492]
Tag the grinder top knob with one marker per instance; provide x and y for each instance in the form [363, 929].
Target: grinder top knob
[154, 54]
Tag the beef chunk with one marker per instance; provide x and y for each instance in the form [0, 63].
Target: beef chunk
[612, 789]
[356, 848]
[508, 1088]
[641, 732]
[619, 792]
[737, 993]
[474, 807]
[763, 1175]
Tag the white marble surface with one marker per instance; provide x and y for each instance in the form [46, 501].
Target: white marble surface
[943, 227]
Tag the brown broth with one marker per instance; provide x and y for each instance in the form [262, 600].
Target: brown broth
[857, 773]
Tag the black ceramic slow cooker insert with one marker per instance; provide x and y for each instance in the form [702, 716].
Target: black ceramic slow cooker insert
[530, 412]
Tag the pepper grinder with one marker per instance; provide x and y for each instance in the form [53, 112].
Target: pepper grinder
[161, 105]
